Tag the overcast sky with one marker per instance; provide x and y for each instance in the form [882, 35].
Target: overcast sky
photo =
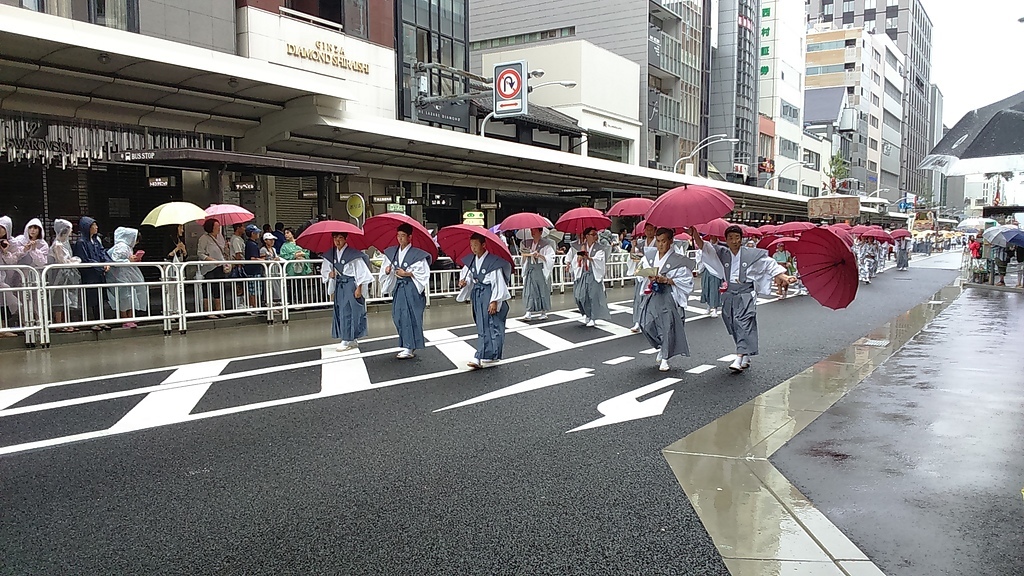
[976, 52]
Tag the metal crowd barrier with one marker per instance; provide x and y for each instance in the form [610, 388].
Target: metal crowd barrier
[20, 303]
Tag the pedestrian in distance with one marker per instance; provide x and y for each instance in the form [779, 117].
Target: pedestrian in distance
[668, 281]
[296, 272]
[538, 255]
[254, 271]
[589, 267]
[484, 282]
[745, 271]
[346, 271]
[405, 274]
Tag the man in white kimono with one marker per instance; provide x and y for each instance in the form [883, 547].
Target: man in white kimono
[664, 299]
[746, 271]
[866, 253]
[484, 282]
[589, 267]
[903, 253]
[642, 248]
[538, 255]
[346, 271]
[405, 272]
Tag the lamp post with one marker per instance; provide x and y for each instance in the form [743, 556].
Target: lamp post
[529, 89]
[700, 146]
[776, 177]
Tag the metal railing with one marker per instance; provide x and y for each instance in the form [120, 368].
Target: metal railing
[20, 302]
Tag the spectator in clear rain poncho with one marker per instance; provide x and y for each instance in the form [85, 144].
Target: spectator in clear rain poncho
[35, 253]
[126, 299]
[9, 255]
[62, 301]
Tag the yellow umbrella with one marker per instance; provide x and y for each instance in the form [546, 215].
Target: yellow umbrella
[174, 213]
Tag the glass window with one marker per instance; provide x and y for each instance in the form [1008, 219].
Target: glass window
[872, 166]
[459, 19]
[422, 45]
[873, 144]
[355, 19]
[446, 51]
[875, 100]
[892, 2]
[447, 17]
[828, 9]
[892, 23]
[119, 14]
[459, 56]
[408, 43]
[874, 122]
[848, 6]
[869, 4]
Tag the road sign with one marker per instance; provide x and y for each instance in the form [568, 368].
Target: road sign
[510, 89]
[354, 206]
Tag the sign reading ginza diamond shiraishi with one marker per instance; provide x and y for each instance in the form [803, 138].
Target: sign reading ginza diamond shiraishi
[328, 54]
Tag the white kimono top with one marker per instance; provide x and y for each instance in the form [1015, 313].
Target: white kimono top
[494, 278]
[682, 278]
[420, 272]
[761, 272]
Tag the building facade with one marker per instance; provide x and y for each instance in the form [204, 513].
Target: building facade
[649, 34]
[908, 25]
[938, 130]
[781, 87]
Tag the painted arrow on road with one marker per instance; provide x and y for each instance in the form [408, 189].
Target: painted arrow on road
[626, 407]
[549, 379]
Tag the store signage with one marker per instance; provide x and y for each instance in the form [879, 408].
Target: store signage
[412, 201]
[383, 199]
[307, 194]
[354, 206]
[328, 54]
[396, 208]
[488, 205]
[38, 145]
[442, 200]
[834, 206]
[510, 89]
[466, 216]
[162, 182]
[654, 45]
[244, 186]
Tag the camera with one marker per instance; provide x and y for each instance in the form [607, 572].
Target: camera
[4, 243]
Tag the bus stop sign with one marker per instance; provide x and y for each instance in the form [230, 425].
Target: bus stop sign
[510, 89]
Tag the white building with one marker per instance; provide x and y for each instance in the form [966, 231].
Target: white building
[781, 86]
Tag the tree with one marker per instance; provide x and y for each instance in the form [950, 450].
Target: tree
[837, 170]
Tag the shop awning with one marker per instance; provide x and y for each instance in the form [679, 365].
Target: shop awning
[235, 162]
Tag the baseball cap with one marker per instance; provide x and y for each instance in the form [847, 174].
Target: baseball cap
[269, 236]
[251, 228]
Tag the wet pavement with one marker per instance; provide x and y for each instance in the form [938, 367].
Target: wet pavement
[922, 464]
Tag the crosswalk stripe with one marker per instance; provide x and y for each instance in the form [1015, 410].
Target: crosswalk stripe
[728, 358]
[617, 361]
[700, 369]
[613, 328]
[459, 352]
[547, 339]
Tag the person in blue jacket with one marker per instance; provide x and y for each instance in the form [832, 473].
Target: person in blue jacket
[90, 249]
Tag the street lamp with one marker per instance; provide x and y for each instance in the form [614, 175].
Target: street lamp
[776, 177]
[701, 145]
[535, 74]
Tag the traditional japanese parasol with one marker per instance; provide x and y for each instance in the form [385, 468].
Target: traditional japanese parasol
[525, 220]
[773, 246]
[842, 234]
[577, 220]
[227, 214]
[828, 267]
[768, 229]
[842, 226]
[454, 240]
[381, 232]
[859, 229]
[880, 235]
[750, 231]
[689, 206]
[631, 207]
[318, 237]
[174, 213]
[639, 230]
[900, 233]
[794, 228]
[715, 227]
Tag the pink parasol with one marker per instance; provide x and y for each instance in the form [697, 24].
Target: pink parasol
[859, 229]
[381, 232]
[773, 246]
[750, 231]
[794, 227]
[843, 234]
[715, 227]
[631, 207]
[688, 206]
[768, 229]
[227, 214]
[880, 235]
[842, 226]
[318, 237]
[828, 267]
[900, 233]
[454, 240]
[577, 220]
[639, 230]
[525, 221]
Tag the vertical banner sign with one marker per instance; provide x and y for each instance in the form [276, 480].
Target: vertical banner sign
[510, 89]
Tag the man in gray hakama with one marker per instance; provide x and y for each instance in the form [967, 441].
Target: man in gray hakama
[405, 274]
[588, 271]
[484, 282]
[346, 271]
[538, 255]
[746, 271]
[664, 299]
[641, 248]
[903, 253]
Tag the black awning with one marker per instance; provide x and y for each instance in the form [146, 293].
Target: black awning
[235, 162]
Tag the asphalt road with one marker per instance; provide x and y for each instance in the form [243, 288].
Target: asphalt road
[373, 479]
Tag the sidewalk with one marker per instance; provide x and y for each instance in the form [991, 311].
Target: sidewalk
[147, 347]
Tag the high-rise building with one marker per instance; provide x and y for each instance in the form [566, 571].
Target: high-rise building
[664, 38]
[781, 88]
[937, 131]
[908, 25]
[868, 67]
[734, 86]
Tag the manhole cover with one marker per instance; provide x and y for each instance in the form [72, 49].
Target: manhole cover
[878, 343]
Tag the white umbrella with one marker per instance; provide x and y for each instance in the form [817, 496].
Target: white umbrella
[995, 235]
[976, 224]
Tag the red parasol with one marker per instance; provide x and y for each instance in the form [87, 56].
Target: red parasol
[680, 233]
[843, 234]
[900, 233]
[842, 226]
[227, 214]
[827, 267]
[880, 235]
[859, 229]
[631, 207]
[794, 227]
[773, 246]
[577, 220]
[688, 206]
[639, 230]
[317, 238]
[764, 242]
[750, 231]
[524, 221]
[768, 229]
[454, 240]
[715, 228]
[379, 231]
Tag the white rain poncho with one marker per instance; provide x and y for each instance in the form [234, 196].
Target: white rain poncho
[130, 297]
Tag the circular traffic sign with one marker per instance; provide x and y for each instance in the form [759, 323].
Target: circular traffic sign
[509, 83]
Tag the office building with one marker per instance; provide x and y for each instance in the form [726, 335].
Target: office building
[937, 132]
[781, 87]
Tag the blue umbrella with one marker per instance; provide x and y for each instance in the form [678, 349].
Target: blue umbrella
[1015, 237]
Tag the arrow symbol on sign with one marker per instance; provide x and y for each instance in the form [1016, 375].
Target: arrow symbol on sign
[549, 379]
[626, 407]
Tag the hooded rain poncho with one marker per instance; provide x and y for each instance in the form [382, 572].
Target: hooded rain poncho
[60, 253]
[125, 298]
[34, 253]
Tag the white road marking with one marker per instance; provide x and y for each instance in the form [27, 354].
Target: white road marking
[547, 339]
[613, 328]
[695, 310]
[728, 358]
[161, 408]
[11, 397]
[617, 361]
[620, 309]
[649, 351]
[549, 379]
[700, 369]
[459, 352]
[344, 376]
[626, 407]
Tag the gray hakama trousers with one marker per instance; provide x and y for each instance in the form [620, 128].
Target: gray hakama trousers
[590, 298]
[536, 290]
[407, 313]
[638, 297]
[490, 329]
[709, 286]
[739, 312]
[663, 323]
[349, 322]
[902, 259]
